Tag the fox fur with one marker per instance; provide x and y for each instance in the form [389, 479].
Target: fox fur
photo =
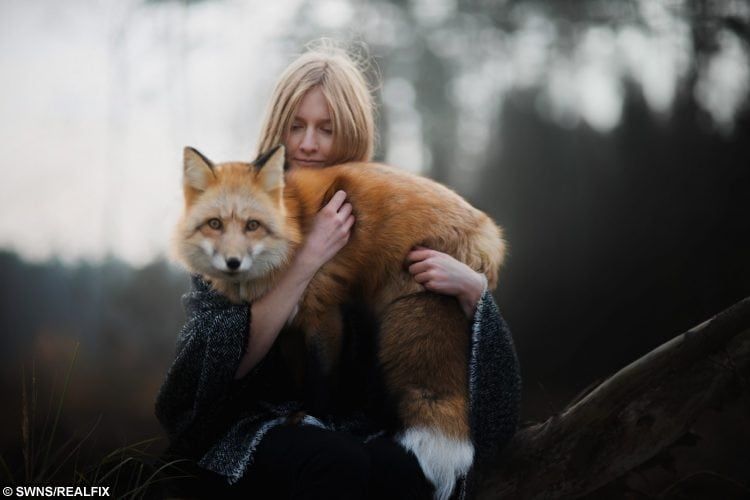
[243, 223]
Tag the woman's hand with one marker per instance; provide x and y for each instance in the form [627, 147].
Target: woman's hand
[330, 232]
[439, 272]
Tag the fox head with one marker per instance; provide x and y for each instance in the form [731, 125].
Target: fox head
[235, 227]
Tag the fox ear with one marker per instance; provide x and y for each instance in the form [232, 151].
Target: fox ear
[270, 167]
[198, 170]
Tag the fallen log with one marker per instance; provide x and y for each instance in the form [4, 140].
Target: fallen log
[630, 417]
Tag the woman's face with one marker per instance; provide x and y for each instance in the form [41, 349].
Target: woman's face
[309, 139]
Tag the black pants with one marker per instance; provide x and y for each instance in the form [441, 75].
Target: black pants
[304, 462]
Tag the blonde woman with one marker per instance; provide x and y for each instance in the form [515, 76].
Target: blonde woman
[226, 399]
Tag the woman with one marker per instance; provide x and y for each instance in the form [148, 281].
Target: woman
[226, 401]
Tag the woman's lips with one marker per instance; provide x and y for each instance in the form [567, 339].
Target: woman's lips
[308, 163]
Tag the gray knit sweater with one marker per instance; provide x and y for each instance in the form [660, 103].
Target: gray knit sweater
[219, 421]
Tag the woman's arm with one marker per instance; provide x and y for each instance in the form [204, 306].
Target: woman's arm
[200, 383]
[330, 232]
[439, 272]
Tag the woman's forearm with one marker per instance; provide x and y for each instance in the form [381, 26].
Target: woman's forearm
[270, 313]
[440, 273]
[330, 232]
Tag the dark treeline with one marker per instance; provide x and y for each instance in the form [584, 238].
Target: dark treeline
[126, 321]
[619, 241]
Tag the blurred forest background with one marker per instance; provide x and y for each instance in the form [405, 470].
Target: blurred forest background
[610, 139]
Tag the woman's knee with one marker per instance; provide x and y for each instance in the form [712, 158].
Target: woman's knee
[339, 456]
[395, 473]
[314, 462]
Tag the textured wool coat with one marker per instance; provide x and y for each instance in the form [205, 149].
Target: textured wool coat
[219, 421]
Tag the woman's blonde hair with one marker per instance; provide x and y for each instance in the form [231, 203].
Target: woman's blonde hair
[340, 77]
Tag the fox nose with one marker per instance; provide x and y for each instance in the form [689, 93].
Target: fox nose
[233, 263]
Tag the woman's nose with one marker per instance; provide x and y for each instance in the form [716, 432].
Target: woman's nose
[309, 143]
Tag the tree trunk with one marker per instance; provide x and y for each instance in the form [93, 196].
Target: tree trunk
[630, 417]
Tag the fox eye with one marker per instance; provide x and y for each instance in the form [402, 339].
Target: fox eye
[214, 223]
[252, 225]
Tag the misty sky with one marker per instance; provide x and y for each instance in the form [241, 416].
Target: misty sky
[98, 99]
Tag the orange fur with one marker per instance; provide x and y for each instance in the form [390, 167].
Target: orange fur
[424, 337]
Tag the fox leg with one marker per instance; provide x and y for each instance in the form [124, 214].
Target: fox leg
[319, 320]
[323, 347]
[423, 351]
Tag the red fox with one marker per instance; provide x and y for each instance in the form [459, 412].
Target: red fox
[244, 221]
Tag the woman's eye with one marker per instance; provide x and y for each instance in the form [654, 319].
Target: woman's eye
[214, 224]
[252, 225]
[296, 126]
[327, 131]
